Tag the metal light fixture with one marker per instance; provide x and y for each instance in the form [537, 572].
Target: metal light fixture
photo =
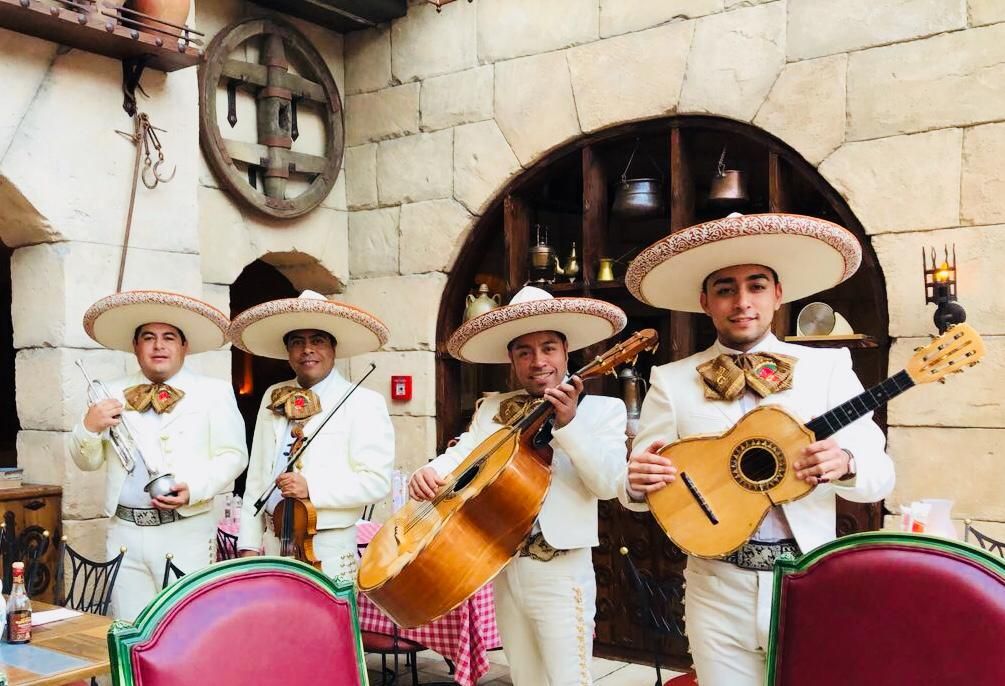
[940, 288]
[440, 3]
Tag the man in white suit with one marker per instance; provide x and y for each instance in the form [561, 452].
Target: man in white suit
[185, 424]
[348, 465]
[546, 597]
[728, 601]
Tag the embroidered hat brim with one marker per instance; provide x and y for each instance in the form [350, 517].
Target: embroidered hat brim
[259, 330]
[583, 321]
[808, 254]
[112, 321]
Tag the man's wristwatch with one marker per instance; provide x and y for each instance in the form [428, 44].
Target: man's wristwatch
[850, 474]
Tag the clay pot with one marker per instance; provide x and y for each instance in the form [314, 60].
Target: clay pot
[171, 11]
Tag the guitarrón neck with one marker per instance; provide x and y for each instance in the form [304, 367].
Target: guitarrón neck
[844, 414]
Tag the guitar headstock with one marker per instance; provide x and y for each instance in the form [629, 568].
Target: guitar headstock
[628, 349]
[952, 352]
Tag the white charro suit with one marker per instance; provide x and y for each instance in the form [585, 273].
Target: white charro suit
[728, 609]
[347, 467]
[545, 610]
[202, 442]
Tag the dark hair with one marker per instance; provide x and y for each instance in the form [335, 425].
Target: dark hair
[509, 346]
[286, 337]
[704, 283]
[136, 333]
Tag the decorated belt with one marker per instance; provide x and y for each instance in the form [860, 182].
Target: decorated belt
[537, 548]
[143, 516]
[759, 556]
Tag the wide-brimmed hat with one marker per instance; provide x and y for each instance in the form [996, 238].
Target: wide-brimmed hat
[808, 254]
[583, 321]
[112, 321]
[259, 330]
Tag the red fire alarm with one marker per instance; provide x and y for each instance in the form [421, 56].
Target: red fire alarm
[401, 388]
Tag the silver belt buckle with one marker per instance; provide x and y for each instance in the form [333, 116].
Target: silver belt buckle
[147, 517]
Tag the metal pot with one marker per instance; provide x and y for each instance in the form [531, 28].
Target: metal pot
[638, 198]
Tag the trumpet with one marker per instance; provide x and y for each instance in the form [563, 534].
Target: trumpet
[123, 439]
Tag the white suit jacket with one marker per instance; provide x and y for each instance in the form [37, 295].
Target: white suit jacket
[347, 467]
[589, 457]
[675, 407]
[202, 441]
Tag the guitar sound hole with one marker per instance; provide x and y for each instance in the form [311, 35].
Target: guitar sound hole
[758, 464]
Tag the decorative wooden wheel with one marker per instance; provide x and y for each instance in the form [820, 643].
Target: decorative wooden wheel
[271, 160]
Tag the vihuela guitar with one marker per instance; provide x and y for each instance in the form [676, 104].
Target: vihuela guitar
[431, 556]
[726, 484]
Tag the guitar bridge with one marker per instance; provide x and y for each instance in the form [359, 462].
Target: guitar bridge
[702, 503]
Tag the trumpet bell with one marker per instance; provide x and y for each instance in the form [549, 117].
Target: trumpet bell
[161, 486]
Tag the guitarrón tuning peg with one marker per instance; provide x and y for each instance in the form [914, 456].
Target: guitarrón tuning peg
[942, 380]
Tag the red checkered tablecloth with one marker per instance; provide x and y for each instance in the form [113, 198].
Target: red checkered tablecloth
[464, 635]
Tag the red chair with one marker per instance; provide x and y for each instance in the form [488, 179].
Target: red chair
[888, 608]
[246, 621]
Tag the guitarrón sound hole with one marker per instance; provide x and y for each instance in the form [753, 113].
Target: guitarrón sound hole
[758, 464]
[466, 478]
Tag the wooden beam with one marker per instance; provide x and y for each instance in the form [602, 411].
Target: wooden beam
[681, 216]
[516, 232]
[594, 215]
[779, 200]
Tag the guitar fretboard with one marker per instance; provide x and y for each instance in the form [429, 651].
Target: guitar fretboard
[844, 414]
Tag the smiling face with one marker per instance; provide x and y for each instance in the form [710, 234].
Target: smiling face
[539, 360]
[311, 355]
[741, 301]
[160, 351]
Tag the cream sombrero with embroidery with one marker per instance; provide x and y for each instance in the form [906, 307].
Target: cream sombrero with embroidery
[808, 254]
[583, 321]
[259, 330]
[113, 321]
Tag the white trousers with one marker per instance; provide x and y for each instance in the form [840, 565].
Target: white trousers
[191, 540]
[728, 614]
[545, 612]
[336, 548]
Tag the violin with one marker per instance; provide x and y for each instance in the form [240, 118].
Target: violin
[295, 521]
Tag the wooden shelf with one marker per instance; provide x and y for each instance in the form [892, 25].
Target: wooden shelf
[98, 33]
[855, 340]
[579, 286]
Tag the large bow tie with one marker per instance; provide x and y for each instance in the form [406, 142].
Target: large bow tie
[728, 376]
[294, 402]
[159, 396]
[513, 409]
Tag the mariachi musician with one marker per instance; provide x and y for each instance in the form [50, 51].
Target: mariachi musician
[347, 465]
[546, 597]
[185, 425]
[738, 271]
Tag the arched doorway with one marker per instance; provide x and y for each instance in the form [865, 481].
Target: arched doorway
[570, 192]
[251, 375]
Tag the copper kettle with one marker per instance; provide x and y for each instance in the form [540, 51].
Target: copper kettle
[640, 197]
[729, 186]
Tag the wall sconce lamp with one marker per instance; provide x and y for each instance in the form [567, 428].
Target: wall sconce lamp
[440, 3]
[940, 288]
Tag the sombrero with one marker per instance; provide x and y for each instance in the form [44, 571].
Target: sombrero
[259, 330]
[583, 321]
[808, 254]
[112, 321]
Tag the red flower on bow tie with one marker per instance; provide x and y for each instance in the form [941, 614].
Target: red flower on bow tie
[299, 402]
[163, 395]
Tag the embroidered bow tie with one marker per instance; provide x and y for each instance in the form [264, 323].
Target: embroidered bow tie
[159, 396]
[728, 376]
[294, 402]
[513, 409]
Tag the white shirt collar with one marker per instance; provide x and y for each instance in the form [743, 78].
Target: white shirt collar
[767, 344]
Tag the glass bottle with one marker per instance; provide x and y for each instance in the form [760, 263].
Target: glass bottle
[18, 609]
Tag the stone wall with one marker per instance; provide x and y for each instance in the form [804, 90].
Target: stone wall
[899, 104]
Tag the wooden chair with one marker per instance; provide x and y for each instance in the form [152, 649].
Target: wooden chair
[311, 637]
[660, 609]
[901, 608]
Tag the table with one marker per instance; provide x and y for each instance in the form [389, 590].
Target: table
[66, 650]
[464, 635]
